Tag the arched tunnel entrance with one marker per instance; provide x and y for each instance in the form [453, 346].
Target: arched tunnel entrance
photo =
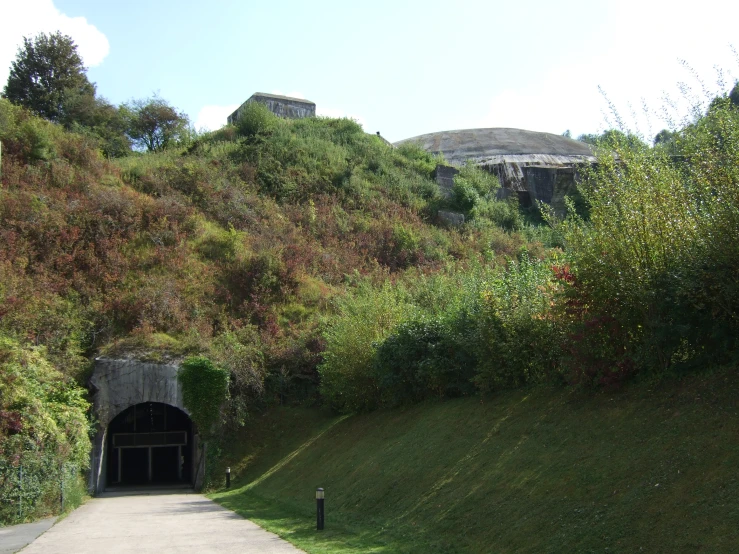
[150, 443]
[143, 432]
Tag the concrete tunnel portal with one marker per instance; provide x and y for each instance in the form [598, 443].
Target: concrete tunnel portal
[144, 435]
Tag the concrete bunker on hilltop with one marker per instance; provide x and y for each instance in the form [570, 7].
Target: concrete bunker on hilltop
[281, 106]
[144, 435]
[534, 165]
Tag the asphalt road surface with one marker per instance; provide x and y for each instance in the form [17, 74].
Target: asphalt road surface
[156, 521]
[15, 537]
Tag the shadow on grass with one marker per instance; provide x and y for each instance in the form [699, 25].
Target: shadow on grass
[297, 526]
[300, 528]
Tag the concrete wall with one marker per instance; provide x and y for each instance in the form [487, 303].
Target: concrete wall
[281, 106]
[531, 183]
[120, 384]
[544, 183]
[445, 178]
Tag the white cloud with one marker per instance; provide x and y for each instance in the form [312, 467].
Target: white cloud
[212, 117]
[637, 63]
[30, 17]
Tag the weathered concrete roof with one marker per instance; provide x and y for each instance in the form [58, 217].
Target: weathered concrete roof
[279, 97]
[501, 145]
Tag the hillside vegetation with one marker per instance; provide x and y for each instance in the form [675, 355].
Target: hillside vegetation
[305, 260]
[231, 246]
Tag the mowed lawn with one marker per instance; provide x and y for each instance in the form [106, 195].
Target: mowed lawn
[650, 468]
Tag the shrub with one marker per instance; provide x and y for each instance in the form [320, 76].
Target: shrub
[503, 213]
[43, 432]
[656, 261]
[349, 381]
[515, 337]
[472, 186]
[424, 358]
[241, 353]
[255, 119]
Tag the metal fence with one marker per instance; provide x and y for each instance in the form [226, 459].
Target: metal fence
[35, 485]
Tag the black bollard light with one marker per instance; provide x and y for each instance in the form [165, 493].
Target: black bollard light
[228, 477]
[319, 509]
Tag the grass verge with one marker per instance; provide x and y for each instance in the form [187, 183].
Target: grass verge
[650, 468]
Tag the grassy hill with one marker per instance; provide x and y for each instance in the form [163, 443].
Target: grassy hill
[306, 258]
[651, 468]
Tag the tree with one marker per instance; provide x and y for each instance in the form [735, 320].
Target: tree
[667, 140]
[734, 94]
[612, 138]
[94, 115]
[46, 71]
[154, 124]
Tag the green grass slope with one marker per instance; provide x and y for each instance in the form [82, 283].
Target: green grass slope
[648, 469]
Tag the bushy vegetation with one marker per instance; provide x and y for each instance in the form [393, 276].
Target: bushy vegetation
[43, 434]
[645, 283]
[233, 247]
[484, 328]
[652, 278]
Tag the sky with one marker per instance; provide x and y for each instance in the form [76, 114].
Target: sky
[403, 67]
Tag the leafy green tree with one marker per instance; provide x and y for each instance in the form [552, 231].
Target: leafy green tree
[668, 141]
[665, 136]
[93, 115]
[612, 138]
[734, 95]
[154, 124]
[47, 70]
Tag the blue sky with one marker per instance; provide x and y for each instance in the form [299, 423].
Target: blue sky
[400, 67]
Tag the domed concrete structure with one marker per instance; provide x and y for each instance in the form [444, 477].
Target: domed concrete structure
[537, 166]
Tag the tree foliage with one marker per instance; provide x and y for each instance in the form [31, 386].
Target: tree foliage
[47, 71]
[154, 124]
[654, 270]
[96, 117]
[734, 95]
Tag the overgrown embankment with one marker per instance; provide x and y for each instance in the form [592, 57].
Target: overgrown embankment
[231, 245]
[651, 468]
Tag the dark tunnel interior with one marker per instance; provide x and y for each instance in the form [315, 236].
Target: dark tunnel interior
[150, 444]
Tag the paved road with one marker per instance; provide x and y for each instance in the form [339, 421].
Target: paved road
[156, 522]
[15, 537]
